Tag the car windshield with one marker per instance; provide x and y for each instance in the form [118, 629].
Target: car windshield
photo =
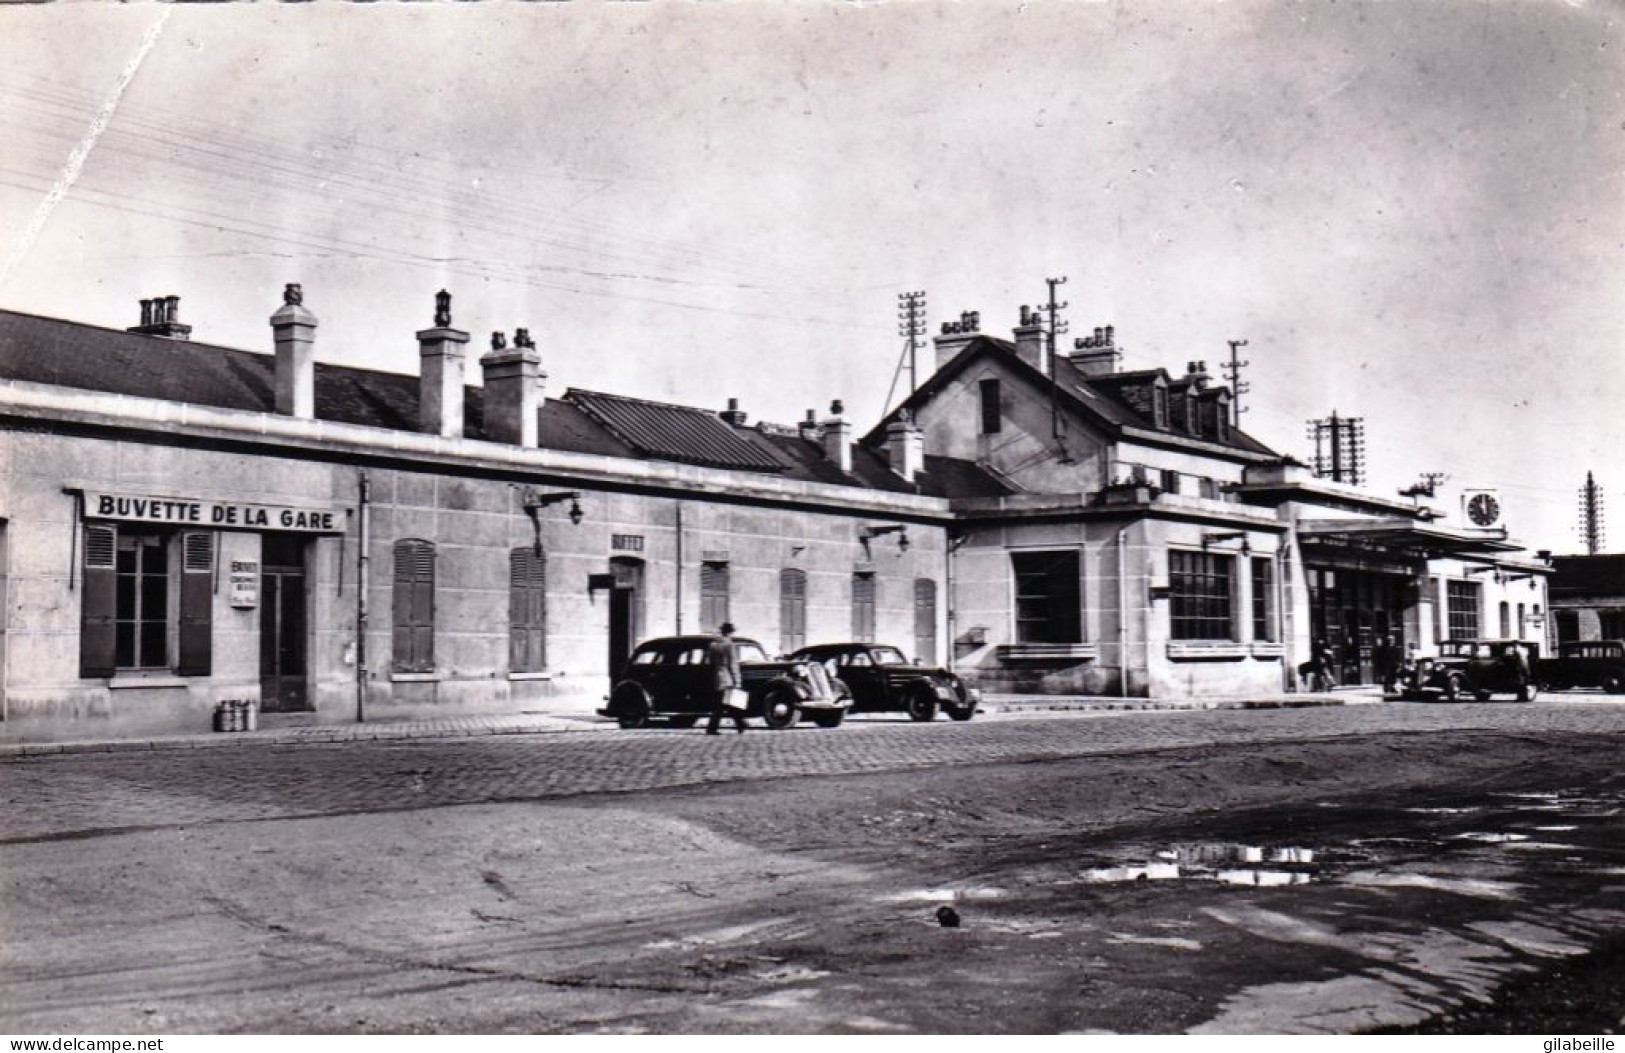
[749, 651]
[888, 656]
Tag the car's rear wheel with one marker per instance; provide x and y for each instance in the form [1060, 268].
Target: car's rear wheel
[922, 705]
[780, 711]
[631, 709]
[831, 719]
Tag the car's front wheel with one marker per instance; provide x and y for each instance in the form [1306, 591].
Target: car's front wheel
[631, 709]
[780, 711]
[1614, 683]
[964, 712]
[922, 705]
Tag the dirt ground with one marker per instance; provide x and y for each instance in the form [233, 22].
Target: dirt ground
[1469, 882]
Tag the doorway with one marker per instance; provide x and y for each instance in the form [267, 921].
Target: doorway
[1352, 611]
[283, 625]
[625, 610]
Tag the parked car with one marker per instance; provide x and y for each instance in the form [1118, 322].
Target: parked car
[881, 680]
[1479, 668]
[1584, 663]
[669, 677]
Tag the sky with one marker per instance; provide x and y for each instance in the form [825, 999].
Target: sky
[1413, 213]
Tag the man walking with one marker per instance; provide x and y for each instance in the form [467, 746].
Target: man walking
[723, 661]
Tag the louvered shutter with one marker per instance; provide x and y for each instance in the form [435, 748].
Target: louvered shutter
[925, 620]
[863, 607]
[792, 609]
[527, 611]
[713, 595]
[414, 607]
[98, 603]
[196, 604]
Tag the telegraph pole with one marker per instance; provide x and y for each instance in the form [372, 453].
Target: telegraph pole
[1591, 516]
[1339, 448]
[911, 327]
[1238, 387]
[1056, 327]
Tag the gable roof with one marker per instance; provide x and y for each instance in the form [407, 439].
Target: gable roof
[1099, 399]
[52, 351]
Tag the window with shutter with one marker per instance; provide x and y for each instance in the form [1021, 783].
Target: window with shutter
[863, 606]
[713, 595]
[98, 607]
[414, 606]
[527, 610]
[792, 609]
[196, 622]
[925, 620]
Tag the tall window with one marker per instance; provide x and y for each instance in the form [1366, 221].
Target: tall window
[863, 606]
[147, 601]
[1201, 594]
[414, 606]
[713, 595]
[1263, 598]
[1523, 622]
[1463, 604]
[1159, 407]
[1170, 481]
[925, 620]
[1506, 619]
[991, 417]
[527, 610]
[792, 609]
[1047, 607]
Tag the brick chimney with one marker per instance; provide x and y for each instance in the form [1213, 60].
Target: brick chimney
[955, 335]
[440, 372]
[733, 414]
[1096, 356]
[809, 428]
[161, 316]
[513, 390]
[294, 330]
[838, 437]
[905, 446]
[1030, 338]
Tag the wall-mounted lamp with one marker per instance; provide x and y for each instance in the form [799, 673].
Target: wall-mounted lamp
[1229, 535]
[533, 503]
[868, 533]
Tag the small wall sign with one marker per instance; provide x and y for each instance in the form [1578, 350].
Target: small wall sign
[626, 542]
[245, 583]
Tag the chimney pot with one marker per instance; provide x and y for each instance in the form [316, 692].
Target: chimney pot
[294, 330]
[161, 316]
[1111, 335]
[440, 372]
[837, 408]
[513, 380]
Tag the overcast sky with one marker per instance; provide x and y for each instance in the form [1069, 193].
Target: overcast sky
[1415, 213]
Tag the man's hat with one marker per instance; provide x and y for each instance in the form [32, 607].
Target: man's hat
[726, 627]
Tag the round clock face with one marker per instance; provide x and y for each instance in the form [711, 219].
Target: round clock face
[1483, 509]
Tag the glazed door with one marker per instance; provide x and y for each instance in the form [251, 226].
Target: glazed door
[282, 640]
[625, 610]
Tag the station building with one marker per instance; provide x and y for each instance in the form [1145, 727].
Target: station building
[183, 523]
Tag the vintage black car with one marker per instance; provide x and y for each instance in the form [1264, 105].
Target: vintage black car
[1479, 668]
[669, 677]
[1584, 663]
[881, 680]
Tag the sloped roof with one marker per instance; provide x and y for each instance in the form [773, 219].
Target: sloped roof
[678, 433]
[93, 358]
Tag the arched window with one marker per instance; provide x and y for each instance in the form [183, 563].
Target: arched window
[414, 606]
[527, 610]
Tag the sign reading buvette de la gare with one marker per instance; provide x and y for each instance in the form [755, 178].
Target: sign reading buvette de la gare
[221, 515]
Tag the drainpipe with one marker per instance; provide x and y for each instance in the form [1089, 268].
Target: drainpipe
[679, 568]
[948, 549]
[1289, 676]
[1122, 611]
[363, 582]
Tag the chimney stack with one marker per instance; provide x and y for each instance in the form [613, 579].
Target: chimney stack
[1198, 375]
[733, 414]
[838, 437]
[955, 335]
[294, 330]
[161, 316]
[1030, 338]
[440, 372]
[905, 446]
[513, 389]
[1096, 356]
[809, 427]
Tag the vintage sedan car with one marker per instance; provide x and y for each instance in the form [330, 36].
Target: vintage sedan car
[1584, 663]
[668, 677]
[881, 680]
[1479, 668]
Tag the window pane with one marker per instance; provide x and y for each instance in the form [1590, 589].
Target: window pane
[153, 651]
[1200, 596]
[124, 645]
[1047, 608]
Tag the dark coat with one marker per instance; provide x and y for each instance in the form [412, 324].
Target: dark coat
[723, 659]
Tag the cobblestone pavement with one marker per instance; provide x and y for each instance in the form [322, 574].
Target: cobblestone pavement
[75, 795]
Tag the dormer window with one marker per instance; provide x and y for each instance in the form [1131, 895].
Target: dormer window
[1221, 424]
[1159, 407]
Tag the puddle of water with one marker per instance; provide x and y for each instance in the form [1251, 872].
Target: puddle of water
[1212, 861]
[1459, 886]
[1443, 811]
[942, 895]
[1555, 829]
[1178, 943]
[1142, 872]
[1263, 877]
[1491, 838]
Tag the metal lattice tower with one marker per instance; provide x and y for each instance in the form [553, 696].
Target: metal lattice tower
[1591, 516]
[1339, 448]
[911, 327]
